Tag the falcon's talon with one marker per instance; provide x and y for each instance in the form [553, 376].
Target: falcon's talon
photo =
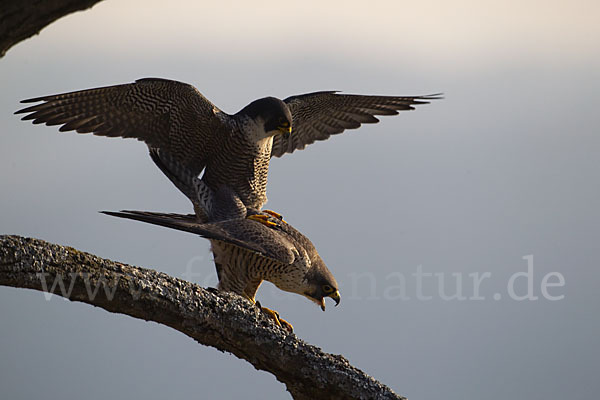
[263, 219]
[274, 315]
[286, 325]
[274, 214]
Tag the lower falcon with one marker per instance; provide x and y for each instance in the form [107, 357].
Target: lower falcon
[248, 253]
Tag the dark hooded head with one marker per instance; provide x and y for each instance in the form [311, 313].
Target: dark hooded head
[271, 114]
[320, 283]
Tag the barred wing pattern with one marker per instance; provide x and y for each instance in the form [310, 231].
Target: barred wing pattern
[243, 233]
[165, 114]
[317, 116]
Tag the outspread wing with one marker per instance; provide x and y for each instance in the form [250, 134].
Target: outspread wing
[317, 116]
[244, 233]
[166, 114]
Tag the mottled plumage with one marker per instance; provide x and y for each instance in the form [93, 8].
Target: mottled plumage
[233, 150]
[247, 252]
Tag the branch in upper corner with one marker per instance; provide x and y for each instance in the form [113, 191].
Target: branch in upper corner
[221, 320]
[20, 19]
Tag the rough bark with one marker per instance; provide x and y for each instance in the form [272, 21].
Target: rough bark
[221, 320]
[20, 19]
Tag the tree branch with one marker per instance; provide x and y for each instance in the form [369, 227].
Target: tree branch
[221, 320]
[20, 19]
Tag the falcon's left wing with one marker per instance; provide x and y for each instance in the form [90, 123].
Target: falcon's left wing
[317, 116]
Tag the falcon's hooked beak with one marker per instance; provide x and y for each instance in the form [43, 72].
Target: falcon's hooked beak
[285, 130]
[335, 296]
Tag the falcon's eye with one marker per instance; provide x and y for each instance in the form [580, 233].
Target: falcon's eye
[283, 122]
[327, 289]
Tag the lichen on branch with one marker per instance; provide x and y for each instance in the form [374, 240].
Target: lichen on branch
[222, 320]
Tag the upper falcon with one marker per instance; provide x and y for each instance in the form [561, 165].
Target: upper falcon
[233, 150]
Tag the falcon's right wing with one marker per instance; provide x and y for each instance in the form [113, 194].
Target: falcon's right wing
[166, 114]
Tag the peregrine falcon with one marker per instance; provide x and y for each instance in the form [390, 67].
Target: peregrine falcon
[233, 150]
[248, 252]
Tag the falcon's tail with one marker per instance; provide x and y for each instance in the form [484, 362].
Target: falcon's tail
[220, 204]
[182, 222]
[224, 231]
[182, 178]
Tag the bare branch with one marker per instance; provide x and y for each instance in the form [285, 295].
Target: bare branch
[221, 320]
[20, 19]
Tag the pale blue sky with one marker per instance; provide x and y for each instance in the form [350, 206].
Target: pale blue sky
[506, 166]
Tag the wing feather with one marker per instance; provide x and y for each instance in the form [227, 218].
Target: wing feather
[243, 233]
[164, 114]
[317, 116]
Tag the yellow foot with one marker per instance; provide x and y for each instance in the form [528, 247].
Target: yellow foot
[278, 320]
[263, 219]
[274, 214]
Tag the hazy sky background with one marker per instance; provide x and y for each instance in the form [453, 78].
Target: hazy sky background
[505, 167]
